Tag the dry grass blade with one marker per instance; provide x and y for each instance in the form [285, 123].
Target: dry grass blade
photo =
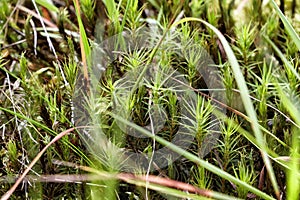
[84, 45]
[196, 159]
[130, 178]
[14, 187]
[46, 21]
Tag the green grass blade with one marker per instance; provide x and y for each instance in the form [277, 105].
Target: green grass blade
[113, 13]
[48, 5]
[181, 194]
[283, 58]
[85, 42]
[289, 28]
[195, 158]
[289, 105]
[293, 177]
[245, 98]
[48, 130]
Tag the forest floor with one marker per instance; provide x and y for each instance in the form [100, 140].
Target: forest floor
[149, 99]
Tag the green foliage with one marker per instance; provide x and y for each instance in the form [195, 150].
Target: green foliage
[12, 151]
[245, 172]
[4, 12]
[88, 7]
[49, 5]
[257, 63]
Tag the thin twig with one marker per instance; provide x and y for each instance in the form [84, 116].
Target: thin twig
[132, 179]
[50, 43]
[16, 118]
[34, 36]
[13, 44]
[127, 177]
[34, 14]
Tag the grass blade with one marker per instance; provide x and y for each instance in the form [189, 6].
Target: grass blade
[195, 159]
[245, 98]
[293, 177]
[48, 5]
[289, 28]
[14, 187]
[283, 58]
[84, 44]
